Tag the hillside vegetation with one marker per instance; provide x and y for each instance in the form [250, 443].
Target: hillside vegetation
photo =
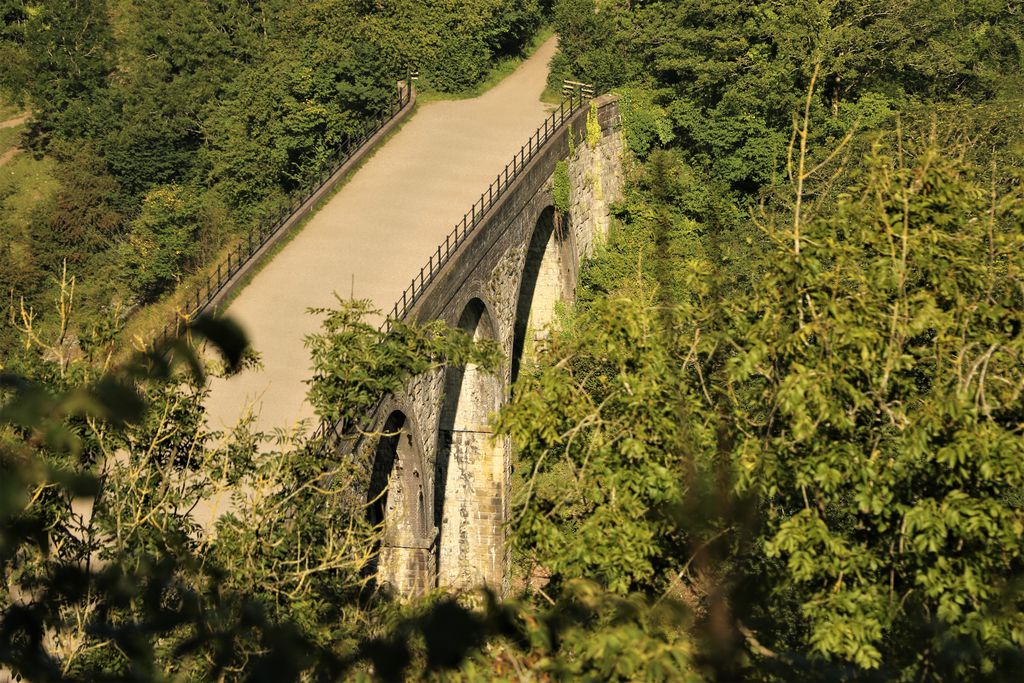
[777, 438]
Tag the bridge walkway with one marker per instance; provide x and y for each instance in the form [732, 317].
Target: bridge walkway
[370, 238]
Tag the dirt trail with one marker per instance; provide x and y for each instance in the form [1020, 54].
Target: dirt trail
[370, 237]
[11, 123]
[16, 121]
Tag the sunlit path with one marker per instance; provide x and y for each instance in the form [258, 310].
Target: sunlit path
[374, 234]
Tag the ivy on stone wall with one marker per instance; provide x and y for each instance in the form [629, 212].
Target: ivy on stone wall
[593, 127]
[561, 188]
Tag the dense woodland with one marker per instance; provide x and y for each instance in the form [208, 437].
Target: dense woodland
[778, 437]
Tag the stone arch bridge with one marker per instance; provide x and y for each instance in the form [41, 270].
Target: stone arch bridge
[440, 483]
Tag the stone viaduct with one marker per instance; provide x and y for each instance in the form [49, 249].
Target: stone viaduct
[440, 483]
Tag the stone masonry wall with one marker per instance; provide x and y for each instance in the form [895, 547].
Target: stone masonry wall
[595, 181]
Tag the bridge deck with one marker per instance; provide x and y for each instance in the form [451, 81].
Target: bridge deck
[373, 234]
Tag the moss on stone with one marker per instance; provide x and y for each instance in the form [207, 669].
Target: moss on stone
[560, 187]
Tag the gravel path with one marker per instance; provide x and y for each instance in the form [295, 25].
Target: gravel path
[373, 234]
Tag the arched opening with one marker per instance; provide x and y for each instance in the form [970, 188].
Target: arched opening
[471, 475]
[395, 501]
[547, 279]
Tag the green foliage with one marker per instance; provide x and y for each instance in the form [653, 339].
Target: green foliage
[162, 241]
[820, 475]
[453, 43]
[781, 429]
[84, 217]
[866, 393]
[597, 438]
[591, 43]
[730, 75]
[23, 181]
[136, 588]
[128, 585]
[646, 125]
[60, 54]
[355, 365]
[593, 127]
[561, 188]
[624, 639]
[590, 635]
[663, 244]
[886, 447]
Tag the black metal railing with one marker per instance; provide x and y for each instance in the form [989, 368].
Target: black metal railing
[471, 220]
[240, 255]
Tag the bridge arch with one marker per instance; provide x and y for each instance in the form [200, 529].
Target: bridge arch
[398, 499]
[471, 472]
[548, 277]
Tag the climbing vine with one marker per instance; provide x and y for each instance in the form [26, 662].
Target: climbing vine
[593, 127]
[561, 188]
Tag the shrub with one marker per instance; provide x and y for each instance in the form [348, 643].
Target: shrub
[162, 242]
